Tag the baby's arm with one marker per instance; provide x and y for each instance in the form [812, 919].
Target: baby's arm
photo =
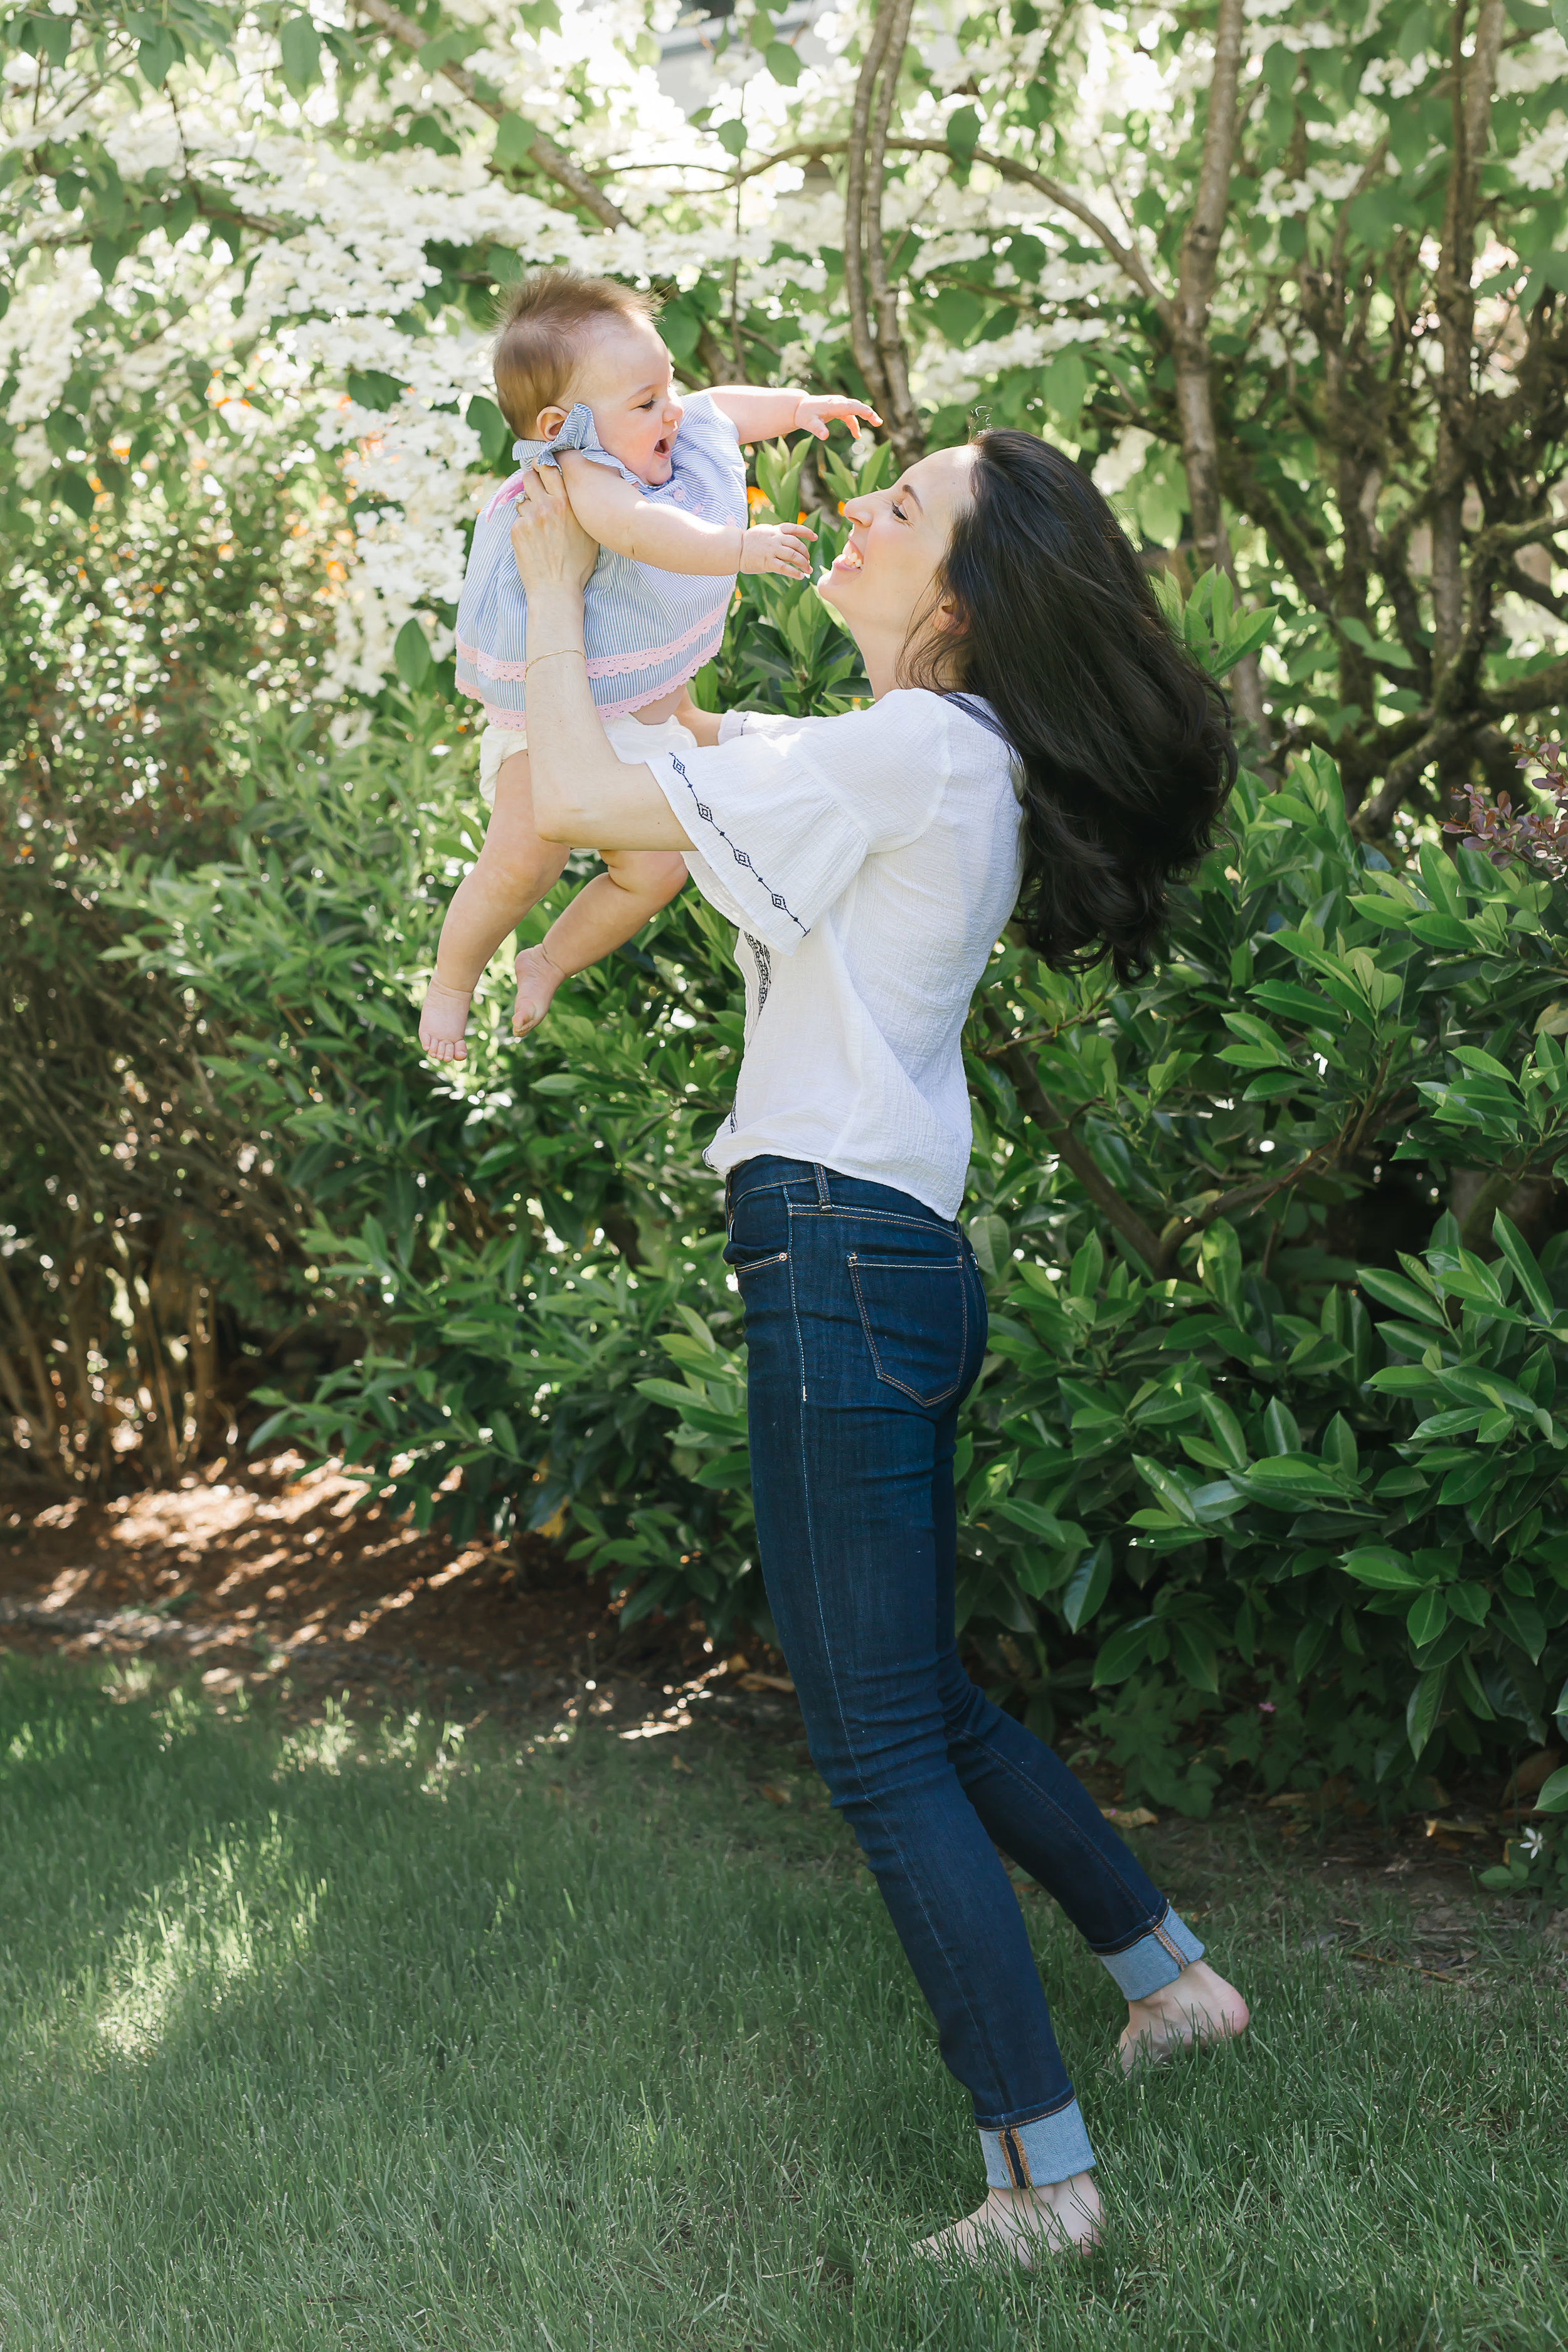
[511, 874]
[617, 516]
[758, 414]
[634, 885]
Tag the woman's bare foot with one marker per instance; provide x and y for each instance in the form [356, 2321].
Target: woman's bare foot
[1196, 2005]
[1022, 2224]
[537, 982]
[443, 1017]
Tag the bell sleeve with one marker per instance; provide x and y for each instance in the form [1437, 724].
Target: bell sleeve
[783, 817]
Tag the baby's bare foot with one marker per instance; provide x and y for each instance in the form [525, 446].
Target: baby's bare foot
[1196, 2005]
[537, 982]
[443, 1018]
[1020, 2225]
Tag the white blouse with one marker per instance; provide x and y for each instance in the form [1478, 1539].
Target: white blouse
[869, 864]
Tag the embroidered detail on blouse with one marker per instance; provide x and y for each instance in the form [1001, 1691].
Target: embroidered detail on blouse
[763, 955]
[739, 855]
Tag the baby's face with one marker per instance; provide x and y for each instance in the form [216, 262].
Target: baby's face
[626, 380]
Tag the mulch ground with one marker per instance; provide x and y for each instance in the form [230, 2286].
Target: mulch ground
[258, 1575]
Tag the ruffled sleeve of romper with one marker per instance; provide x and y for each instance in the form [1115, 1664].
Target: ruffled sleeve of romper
[783, 817]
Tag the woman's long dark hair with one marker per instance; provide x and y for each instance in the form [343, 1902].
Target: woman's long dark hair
[1123, 744]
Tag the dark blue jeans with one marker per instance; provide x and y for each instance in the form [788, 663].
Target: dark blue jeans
[866, 1328]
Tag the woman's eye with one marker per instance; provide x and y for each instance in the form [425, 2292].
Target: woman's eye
[899, 510]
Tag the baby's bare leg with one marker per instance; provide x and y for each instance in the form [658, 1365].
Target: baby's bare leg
[511, 874]
[634, 885]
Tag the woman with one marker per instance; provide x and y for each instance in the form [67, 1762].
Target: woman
[1037, 737]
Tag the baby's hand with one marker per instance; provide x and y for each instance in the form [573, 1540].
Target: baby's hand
[814, 415]
[777, 547]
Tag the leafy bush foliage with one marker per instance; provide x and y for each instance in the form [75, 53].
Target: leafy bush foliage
[1248, 1481]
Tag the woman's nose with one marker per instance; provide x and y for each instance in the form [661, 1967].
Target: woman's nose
[858, 511]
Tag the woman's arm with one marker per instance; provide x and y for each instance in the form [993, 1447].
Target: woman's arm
[758, 414]
[619, 517]
[582, 793]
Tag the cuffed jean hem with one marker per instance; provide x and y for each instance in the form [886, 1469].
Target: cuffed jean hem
[1034, 2154]
[1153, 1958]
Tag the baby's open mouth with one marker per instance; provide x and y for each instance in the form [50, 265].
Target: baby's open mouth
[661, 447]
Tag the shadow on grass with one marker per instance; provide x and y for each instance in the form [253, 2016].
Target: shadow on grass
[359, 2035]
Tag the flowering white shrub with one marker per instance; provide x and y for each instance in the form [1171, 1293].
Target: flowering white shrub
[273, 241]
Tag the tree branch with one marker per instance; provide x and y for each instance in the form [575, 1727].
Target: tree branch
[552, 160]
[1069, 1147]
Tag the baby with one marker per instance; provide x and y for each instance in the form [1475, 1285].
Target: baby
[584, 379]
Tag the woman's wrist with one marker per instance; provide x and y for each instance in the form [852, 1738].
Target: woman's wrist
[554, 619]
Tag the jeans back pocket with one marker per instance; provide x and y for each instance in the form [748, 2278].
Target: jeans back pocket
[915, 1315]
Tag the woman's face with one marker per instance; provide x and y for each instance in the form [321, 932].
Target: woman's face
[899, 536]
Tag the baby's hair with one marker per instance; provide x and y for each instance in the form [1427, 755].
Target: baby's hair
[540, 346]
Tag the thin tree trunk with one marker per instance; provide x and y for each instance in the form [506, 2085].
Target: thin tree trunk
[1471, 87]
[875, 335]
[1190, 349]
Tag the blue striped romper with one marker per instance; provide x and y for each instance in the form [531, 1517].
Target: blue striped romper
[644, 632]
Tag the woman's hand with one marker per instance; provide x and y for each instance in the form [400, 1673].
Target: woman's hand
[548, 545]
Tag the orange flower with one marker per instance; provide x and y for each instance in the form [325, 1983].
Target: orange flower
[756, 498]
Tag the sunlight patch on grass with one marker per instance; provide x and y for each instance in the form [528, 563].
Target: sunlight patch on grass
[228, 1918]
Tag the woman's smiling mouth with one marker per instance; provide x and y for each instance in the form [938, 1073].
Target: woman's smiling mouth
[851, 560]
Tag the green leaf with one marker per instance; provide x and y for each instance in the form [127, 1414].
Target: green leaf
[964, 132]
[1065, 1534]
[514, 143]
[1559, 18]
[1280, 1432]
[494, 432]
[1225, 1430]
[1087, 1267]
[1421, 1713]
[783, 61]
[1171, 1491]
[76, 492]
[1552, 1796]
[1123, 1654]
[1194, 1655]
[1393, 1290]
[412, 654]
[1090, 1583]
[1339, 1446]
[992, 1243]
[1527, 1270]
[1524, 1621]
[156, 52]
[300, 44]
[372, 388]
[1385, 1570]
[731, 136]
[1428, 1615]
[1254, 631]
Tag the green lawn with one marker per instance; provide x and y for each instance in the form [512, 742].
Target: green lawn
[328, 2038]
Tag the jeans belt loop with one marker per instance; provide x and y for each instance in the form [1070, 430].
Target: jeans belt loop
[824, 1197]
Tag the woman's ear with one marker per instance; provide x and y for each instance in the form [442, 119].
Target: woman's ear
[549, 421]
